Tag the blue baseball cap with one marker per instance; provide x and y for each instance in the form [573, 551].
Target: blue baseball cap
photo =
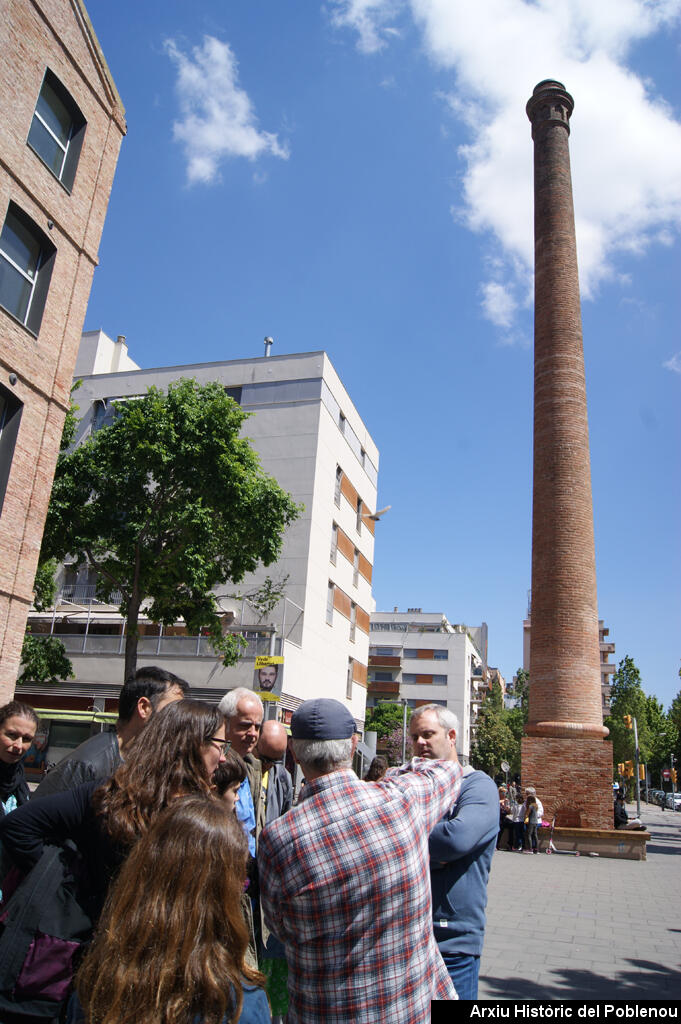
[322, 719]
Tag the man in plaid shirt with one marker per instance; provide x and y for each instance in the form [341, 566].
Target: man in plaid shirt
[345, 883]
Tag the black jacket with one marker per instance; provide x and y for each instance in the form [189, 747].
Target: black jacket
[95, 760]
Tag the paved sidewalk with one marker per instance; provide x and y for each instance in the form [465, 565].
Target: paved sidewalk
[561, 927]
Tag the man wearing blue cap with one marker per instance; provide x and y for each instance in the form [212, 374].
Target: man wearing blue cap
[345, 880]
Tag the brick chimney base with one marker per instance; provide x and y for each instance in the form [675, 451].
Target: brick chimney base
[571, 775]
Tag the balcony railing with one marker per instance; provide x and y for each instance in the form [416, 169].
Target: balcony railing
[158, 646]
[84, 593]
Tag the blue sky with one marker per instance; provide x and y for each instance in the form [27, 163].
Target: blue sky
[357, 176]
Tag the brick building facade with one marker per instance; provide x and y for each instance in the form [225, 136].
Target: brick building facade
[61, 127]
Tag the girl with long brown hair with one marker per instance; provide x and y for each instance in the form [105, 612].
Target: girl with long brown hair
[175, 755]
[171, 940]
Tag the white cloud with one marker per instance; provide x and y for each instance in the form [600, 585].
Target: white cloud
[218, 120]
[625, 144]
[498, 303]
[674, 363]
[368, 18]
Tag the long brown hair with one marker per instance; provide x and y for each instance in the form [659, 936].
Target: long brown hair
[162, 763]
[171, 940]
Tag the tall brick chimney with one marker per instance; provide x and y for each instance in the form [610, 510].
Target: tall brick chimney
[563, 752]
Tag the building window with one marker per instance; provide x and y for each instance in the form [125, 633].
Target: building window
[341, 422]
[355, 568]
[440, 655]
[381, 676]
[57, 130]
[26, 259]
[359, 515]
[10, 416]
[334, 542]
[329, 603]
[339, 480]
[353, 621]
[439, 680]
[410, 652]
[348, 685]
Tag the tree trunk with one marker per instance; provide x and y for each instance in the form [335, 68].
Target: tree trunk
[131, 637]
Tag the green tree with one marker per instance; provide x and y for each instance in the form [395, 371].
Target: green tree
[43, 660]
[627, 698]
[663, 736]
[515, 718]
[165, 504]
[385, 718]
[494, 741]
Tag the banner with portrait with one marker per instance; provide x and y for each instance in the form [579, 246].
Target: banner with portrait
[268, 678]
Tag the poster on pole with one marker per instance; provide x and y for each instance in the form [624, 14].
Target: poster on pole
[268, 678]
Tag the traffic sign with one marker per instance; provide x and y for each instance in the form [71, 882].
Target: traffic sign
[505, 766]
[666, 774]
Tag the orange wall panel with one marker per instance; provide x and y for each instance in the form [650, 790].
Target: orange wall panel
[345, 546]
[362, 620]
[341, 602]
[365, 568]
[349, 491]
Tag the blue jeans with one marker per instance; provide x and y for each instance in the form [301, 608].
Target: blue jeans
[464, 969]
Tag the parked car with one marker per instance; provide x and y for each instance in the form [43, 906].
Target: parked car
[657, 797]
[673, 801]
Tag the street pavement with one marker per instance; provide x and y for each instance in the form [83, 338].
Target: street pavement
[565, 927]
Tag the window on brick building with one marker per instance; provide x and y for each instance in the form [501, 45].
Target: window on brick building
[57, 130]
[26, 258]
[10, 415]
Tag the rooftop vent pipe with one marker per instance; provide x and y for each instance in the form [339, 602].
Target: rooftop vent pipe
[268, 345]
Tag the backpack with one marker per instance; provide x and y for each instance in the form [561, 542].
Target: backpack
[43, 925]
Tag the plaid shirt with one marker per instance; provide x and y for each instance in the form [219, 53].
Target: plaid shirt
[345, 885]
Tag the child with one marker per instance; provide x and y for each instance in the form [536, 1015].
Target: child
[227, 778]
[531, 821]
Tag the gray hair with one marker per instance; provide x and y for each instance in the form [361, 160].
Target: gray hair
[227, 705]
[323, 755]
[446, 718]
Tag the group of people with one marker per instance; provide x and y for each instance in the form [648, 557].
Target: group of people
[201, 886]
[520, 816]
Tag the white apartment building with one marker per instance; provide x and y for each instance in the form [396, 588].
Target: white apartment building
[310, 437]
[421, 658]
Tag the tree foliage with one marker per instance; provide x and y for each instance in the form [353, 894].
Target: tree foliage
[43, 660]
[165, 504]
[627, 698]
[385, 718]
[494, 741]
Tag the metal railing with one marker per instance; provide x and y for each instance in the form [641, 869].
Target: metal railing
[158, 646]
[85, 593]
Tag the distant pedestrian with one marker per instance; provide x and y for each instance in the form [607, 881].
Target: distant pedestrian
[518, 830]
[530, 821]
[504, 812]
